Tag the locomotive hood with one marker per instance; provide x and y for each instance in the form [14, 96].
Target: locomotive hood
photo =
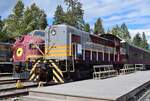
[21, 48]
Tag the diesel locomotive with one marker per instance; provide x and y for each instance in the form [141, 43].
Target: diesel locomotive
[66, 53]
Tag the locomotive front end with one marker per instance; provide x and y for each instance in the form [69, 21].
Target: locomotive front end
[27, 49]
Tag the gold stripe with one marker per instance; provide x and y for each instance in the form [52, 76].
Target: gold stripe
[55, 79]
[34, 67]
[44, 61]
[55, 55]
[36, 77]
[59, 46]
[58, 51]
[57, 68]
[58, 76]
[67, 52]
[51, 54]
[34, 56]
[31, 78]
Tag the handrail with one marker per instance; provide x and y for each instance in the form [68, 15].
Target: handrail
[108, 71]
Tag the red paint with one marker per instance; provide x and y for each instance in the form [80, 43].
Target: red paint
[102, 41]
[76, 38]
[24, 42]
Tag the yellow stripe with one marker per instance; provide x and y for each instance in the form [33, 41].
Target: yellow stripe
[31, 78]
[36, 78]
[57, 55]
[34, 67]
[53, 51]
[58, 76]
[34, 56]
[55, 79]
[51, 54]
[59, 46]
[56, 67]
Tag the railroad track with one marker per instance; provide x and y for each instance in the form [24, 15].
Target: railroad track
[8, 90]
[5, 74]
[8, 87]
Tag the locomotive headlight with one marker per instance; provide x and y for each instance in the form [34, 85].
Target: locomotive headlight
[53, 32]
[19, 52]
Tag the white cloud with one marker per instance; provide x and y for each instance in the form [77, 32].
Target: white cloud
[117, 11]
[112, 11]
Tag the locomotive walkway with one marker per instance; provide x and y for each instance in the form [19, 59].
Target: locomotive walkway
[129, 87]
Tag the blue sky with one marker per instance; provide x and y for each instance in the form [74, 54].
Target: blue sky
[135, 13]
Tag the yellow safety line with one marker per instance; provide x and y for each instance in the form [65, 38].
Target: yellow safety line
[31, 78]
[36, 77]
[55, 79]
[34, 67]
[58, 76]
[58, 46]
[44, 61]
[56, 67]
[55, 55]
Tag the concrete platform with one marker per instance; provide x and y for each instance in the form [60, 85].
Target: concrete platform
[121, 88]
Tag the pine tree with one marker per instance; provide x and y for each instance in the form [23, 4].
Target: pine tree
[122, 32]
[125, 32]
[108, 31]
[34, 18]
[1, 24]
[117, 31]
[38, 17]
[87, 27]
[18, 9]
[23, 21]
[144, 41]
[98, 28]
[13, 25]
[42, 21]
[3, 35]
[137, 40]
[59, 15]
[74, 14]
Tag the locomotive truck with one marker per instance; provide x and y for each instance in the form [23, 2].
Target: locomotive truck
[65, 53]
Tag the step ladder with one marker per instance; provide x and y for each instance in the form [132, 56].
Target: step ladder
[103, 71]
[127, 68]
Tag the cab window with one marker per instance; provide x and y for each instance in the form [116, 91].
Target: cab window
[39, 33]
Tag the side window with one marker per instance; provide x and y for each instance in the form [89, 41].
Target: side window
[39, 33]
